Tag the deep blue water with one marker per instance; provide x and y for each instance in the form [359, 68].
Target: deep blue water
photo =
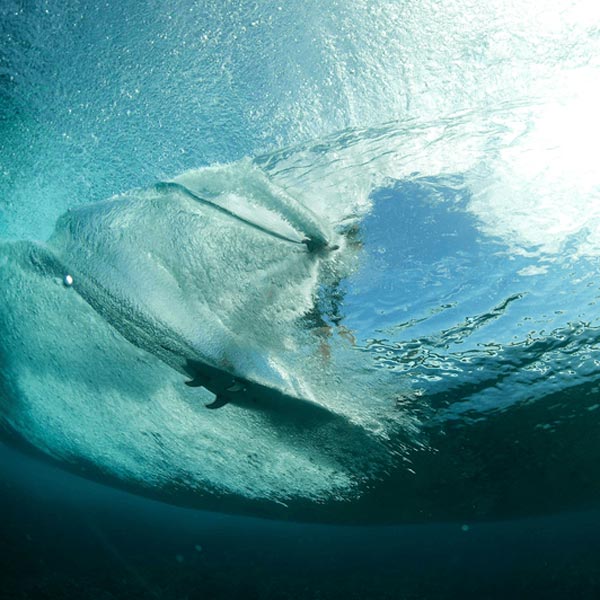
[368, 232]
[64, 537]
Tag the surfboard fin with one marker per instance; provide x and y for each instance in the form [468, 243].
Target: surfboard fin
[218, 402]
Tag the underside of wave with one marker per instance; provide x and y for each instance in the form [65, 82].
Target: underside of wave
[212, 280]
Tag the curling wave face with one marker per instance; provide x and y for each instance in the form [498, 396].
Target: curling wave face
[161, 279]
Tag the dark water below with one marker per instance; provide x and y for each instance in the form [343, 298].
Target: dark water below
[65, 537]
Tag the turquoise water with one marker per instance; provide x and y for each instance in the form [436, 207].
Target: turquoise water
[367, 232]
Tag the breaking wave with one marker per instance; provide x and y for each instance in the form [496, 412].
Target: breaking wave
[415, 272]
